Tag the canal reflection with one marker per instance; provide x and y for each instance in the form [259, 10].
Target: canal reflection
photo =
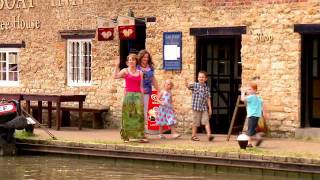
[57, 167]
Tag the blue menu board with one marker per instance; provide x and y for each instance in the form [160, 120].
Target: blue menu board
[172, 50]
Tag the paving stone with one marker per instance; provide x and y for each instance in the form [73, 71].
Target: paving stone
[267, 158]
[255, 157]
[293, 160]
[306, 160]
[158, 150]
[111, 147]
[179, 151]
[233, 155]
[120, 147]
[211, 154]
[200, 153]
[315, 161]
[222, 155]
[244, 156]
[280, 159]
[190, 152]
[76, 144]
[172, 151]
[61, 143]
[148, 149]
[101, 146]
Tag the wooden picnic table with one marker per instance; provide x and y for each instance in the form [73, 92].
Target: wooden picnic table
[50, 98]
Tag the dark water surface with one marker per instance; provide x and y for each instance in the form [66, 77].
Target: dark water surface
[57, 167]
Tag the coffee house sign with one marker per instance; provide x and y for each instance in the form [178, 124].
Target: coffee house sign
[18, 22]
[27, 4]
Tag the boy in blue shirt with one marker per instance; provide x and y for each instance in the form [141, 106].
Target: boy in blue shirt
[254, 106]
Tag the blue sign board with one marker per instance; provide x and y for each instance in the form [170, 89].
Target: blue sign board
[172, 50]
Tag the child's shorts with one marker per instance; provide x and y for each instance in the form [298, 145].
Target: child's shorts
[200, 117]
[252, 125]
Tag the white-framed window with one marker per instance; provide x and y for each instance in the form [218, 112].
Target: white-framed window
[79, 62]
[9, 70]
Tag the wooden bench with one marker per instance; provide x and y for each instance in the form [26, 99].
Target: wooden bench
[97, 112]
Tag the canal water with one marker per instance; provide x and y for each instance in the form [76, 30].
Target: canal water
[62, 167]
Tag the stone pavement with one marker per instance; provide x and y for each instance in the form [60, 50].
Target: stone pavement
[297, 148]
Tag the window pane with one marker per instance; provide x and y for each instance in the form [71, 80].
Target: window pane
[9, 66]
[209, 51]
[79, 61]
[13, 58]
[315, 48]
[315, 68]
[13, 76]
[3, 67]
[3, 76]
[4, 57]
[13, 67]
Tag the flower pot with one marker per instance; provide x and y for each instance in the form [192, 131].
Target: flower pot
[243, 144]
[243, 141]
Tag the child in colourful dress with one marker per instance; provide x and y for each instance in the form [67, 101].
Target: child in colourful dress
[165, 114]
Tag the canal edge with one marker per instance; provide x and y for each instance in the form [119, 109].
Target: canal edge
[189, 156]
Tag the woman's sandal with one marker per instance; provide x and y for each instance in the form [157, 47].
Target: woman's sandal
[210, 138]
[195, 138]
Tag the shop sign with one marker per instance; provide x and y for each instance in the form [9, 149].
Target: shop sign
[127, 32]
[172, 50]
[105, 30]
[105, 34]
[18, 22]
[16, 4]
[126, 28]
[153, 107]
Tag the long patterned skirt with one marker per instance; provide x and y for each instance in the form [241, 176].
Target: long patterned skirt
[132, 117]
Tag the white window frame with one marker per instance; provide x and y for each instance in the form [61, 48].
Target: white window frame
[7, 82]
[80, 82]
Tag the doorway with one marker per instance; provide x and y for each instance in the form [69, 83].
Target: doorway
[133, 46]
[220, 57]
[310, 81]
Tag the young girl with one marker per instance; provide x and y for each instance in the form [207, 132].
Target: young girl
[132, 109]
[166, 115]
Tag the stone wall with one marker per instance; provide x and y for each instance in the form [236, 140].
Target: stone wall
[270, 48]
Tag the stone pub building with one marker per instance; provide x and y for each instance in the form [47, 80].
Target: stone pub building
[55, 47]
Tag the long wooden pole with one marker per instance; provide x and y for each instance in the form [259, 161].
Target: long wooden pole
[38, 123]
[234, 116]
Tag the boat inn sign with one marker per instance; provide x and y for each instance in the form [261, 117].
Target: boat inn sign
[54, 47]
[16, 4]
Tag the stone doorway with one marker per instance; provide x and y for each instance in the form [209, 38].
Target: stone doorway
[220, 57]
[310, 81]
